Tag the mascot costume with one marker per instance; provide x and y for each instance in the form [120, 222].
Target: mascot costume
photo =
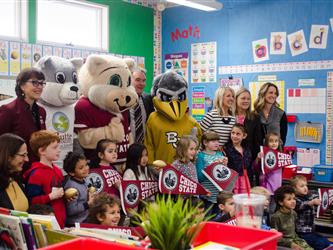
[102, 112]
[59, 94]
[171, 120]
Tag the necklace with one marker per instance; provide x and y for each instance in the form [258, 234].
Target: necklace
[226, 120]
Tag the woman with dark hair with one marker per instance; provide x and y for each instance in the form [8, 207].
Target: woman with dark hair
[23, 116]
[13, 155]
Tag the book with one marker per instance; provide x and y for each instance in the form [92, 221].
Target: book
[40, 235]
[215, 246]
[55, 236]
[49, 221]
[28, 233]
[5, 211]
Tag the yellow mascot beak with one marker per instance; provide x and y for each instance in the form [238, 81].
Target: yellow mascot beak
[175, 110]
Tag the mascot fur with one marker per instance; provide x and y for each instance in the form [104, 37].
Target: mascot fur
[58, 97]
[171, 120]
[103, 111]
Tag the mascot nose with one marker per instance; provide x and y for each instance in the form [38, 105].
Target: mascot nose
[74, 88]
[128, 99]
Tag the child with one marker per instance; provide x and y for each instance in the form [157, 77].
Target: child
[76, 166]
[226, 205]
[305, 209]
[103, 176]
[284, 219]
[239, 157]
[42, 209]
[136, 164]
[185, 155]
[265, 224]
[272, 180]
[44, 179]
[104, 210]
[210, 153]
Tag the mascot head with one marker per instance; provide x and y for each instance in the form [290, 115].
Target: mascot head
[169, 94]
[62, 87]
[106, 82]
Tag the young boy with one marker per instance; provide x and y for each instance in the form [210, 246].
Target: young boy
[284, 219]
[266, 215]
[226, 205]
[42, 209]
[305, 202]
[44, 179]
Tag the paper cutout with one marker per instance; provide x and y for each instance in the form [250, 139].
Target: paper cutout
[198, 102]
[306, 100]
[4, 61]
[309, 132]
[177, 62]
[234, 83]
[260, 50]
[297, 43]
[318, 37]
[308, 157]
[278, 43]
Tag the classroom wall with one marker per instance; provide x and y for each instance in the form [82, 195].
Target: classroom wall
[241, 22]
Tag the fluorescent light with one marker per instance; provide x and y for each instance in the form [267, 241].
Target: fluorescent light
[196, 5]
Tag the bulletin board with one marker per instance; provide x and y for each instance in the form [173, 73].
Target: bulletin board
[244, 32]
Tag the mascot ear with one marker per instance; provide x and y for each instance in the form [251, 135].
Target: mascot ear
[42, 62]
[77, 62]
[94, 63]
[130, 63]
[155, 86]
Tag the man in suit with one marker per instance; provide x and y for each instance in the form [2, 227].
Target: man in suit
[139, 114]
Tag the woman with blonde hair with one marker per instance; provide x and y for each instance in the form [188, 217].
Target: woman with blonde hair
[272, 118]
[221, 118]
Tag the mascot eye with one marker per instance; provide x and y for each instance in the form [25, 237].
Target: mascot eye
[182, 96]
[129, 82]
[74, 76]
[115, 80]
[166, 97]
[60, 77]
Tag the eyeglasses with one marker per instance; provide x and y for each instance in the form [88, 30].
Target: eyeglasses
[22, 155]
[37, 83]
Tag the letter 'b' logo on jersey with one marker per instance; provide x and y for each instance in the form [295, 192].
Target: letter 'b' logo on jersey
[172, 138]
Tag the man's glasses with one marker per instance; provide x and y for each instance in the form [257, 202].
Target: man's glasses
[37, 83]
[22, 155]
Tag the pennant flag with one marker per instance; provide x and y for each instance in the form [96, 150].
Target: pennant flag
[273, 160]
[232, 221]
[130, 231]
[221, 176]
[172, 181]
[326, 197]
[103, 179]
[131, 192]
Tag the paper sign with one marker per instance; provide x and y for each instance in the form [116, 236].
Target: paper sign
[234, 83]
[326, 197]
[221, 176]
[36, 53]
[306, 100]
[172, 181]
[177, 62]
[306, 82]
[198, 102]
[130, 231]
[329, 118]
[278, 43]
[308, 157]
[273, 160]
[309, 132]
[297, 43]
[104, 179]
[26, 55]
[15, 58]
[47, 50]
[267, 78]
[260, 50]
[4, 61]
[318, 37]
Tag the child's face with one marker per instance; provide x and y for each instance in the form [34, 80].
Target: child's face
[191, 151]
[266, 204]
[212, 145]
[289, 201]
[110, 153]
[228, 207]
[144, 158]
[273, 142]
[81, 169]
[111, 216]
[51, 152]
[301, 187]
[237, 136]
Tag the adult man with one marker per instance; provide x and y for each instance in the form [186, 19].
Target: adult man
[139, 114]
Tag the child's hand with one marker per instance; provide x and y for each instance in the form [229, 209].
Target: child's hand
[56, 193]
[91, 197]
[117, 184]
[295, 246]
[260, 155]
[225, 161]
[315, 202]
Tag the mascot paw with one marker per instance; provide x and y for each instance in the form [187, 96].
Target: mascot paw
[117, 129]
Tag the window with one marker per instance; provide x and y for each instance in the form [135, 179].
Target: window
[13, 19]
[72, 22]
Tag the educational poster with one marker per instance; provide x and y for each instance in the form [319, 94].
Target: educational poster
[67, 53]
[47, 50]
[157, 42]
[198, 102]
[309, 132]
[26, 55]
[77, 53]
[255, 86]
[318, 37]
[57, 51]
[260, 50]
[7, 87]
[329, 119]
[85, 54]
[297, 43]
[306, 100]
[141, 62]
[177, 62]
[203, 64]
[36, 53]
[4, 64]
[234, 83]
[278, 43]
[308, 157]
[15, 58]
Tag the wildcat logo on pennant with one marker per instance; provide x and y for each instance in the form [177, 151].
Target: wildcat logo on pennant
[103, 179]
[326, 197]
[273, 160]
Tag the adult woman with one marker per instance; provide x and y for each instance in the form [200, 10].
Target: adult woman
[221, 119]
[13, 155]
[252, 124]
[271, 116]
[23, 116]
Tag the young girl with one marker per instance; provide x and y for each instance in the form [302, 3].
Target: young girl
[103, 176]
[210, 153]
[136, 164]
[272, 180]
[105, 210]
[77, 168]
[185, 155]
[239, 157]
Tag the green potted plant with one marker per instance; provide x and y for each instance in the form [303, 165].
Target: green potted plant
[170, 224]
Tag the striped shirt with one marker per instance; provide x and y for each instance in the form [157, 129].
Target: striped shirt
[222, 125]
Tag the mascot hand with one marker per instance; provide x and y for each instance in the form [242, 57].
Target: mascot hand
[116, 129]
